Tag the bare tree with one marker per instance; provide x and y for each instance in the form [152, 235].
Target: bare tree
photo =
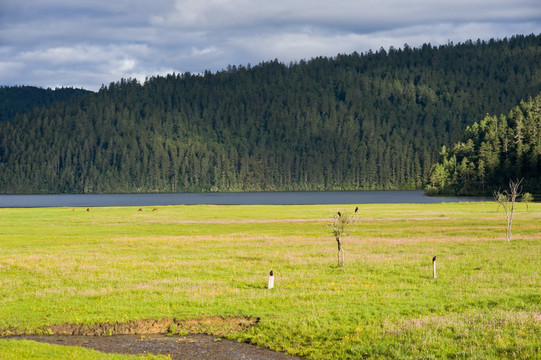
[507, 200]
[341, 221]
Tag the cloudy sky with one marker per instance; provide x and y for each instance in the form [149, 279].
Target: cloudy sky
[87, 43]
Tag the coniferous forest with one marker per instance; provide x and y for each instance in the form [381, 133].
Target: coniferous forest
[375, 120]
[493, 151]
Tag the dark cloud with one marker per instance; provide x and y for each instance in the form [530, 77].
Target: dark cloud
[87, 43]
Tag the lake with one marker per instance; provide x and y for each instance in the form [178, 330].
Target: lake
[247, 198]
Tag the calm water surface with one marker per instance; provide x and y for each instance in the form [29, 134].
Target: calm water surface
[253, 198]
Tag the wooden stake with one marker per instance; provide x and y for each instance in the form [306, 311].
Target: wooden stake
[271, 280]
[434, 267]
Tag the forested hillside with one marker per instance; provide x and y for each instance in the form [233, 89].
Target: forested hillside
[360, 121]
[493, 151]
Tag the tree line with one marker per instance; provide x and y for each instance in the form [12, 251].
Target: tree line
[375, 120]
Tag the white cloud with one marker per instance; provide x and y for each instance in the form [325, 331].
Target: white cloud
[198, 52]
[367, 14]
[10, 71]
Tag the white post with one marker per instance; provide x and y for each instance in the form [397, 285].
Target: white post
[434, 267]
[271, 280]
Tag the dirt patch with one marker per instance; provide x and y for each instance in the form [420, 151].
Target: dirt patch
[210, 325]
[157, 337]
[215, 325]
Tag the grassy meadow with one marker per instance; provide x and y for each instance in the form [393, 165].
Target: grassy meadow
[116, 264]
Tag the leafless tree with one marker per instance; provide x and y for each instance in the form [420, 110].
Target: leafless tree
[507, 200]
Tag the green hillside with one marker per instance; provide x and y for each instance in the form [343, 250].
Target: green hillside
[493, 151]
[375, 120]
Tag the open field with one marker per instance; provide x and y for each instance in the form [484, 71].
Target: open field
[194, 262]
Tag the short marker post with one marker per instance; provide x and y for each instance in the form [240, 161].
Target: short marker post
[434, 267]
[271, 280]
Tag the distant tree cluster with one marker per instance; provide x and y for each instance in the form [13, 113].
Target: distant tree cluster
[19, 99]
[360, 121]
[493, 152]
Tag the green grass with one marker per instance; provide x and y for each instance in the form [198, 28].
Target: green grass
[22, 349]
[118, 264]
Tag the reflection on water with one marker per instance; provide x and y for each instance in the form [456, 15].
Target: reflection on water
[248, 198]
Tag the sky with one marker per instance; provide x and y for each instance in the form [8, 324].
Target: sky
[90, 43]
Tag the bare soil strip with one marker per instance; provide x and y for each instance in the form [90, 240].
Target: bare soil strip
[216, 325]
[219, 326]
[149, 336]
